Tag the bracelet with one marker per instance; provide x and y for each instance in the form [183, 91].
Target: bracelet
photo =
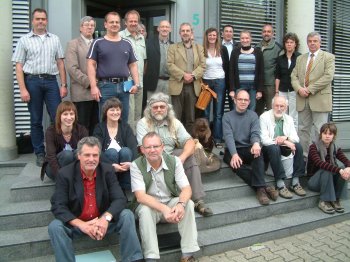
[183, 204]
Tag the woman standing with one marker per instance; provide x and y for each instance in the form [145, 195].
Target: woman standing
[62, 139]
[214, 76]
[246, 70]
[119, 146]
[327, 177]
[284, 66]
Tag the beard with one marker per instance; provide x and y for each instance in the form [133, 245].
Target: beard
[159, 117]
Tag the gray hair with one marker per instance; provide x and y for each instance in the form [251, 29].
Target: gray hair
[285, 99]
[90, 141]
[151, 134]
[87, 19]
[312, 34]
[185, 23]
[170, 118]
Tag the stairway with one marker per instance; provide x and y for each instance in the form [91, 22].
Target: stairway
[238, 220]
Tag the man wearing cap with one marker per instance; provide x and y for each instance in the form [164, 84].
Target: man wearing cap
[159, 116]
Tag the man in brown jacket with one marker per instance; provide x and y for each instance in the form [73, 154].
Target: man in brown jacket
[76, 51]
[186, 64]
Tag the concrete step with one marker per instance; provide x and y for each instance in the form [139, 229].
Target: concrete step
[230, 237]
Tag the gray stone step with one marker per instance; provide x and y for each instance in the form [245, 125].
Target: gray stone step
[230, 237]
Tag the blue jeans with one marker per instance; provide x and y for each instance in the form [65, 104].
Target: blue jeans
[218, 85]
[108, 90]
[64, 158]
[62, 236]
[113, 157]
[41, 90]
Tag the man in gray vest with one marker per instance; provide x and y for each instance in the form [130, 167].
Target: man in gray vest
[164, 194]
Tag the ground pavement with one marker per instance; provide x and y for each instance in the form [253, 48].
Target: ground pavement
[330, 243]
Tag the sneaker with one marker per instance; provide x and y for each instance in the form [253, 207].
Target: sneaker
[40, 159]
[262, 196]
[284, 192]
[188, 259]
[272, 193]
[337, 206]
[326, 207]
[298, 190]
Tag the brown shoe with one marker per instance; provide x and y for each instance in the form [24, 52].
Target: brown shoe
[326, 207]
[199, 206]
[298, 190]
[272, 193]
[262, 196]
[188, 259]
[337, 206]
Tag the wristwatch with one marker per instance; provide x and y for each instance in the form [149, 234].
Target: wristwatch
[64, 85]
[108, 218]
[138, 86]
[182, 204]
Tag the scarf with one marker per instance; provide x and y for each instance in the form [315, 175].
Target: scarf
[323, 151]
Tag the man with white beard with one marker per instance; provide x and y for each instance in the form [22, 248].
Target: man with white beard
[280, 140]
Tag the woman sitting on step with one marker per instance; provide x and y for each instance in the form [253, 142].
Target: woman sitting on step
[62, 139]
[327, 177]
[119, 145]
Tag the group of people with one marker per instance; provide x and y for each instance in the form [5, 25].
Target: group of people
[100, 145]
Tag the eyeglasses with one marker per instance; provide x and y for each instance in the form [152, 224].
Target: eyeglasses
[88, 25]
[242, 100]
[160, 107]
[151, 147]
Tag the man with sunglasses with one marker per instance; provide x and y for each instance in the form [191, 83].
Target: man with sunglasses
[241, 130]
[162, 194]
[159, 116]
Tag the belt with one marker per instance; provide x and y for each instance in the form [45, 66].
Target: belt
[164, 77]
[46, 76]
[114, 80]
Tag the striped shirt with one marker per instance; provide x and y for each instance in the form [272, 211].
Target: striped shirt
[38, 54]
[315, 162]
[246, 68]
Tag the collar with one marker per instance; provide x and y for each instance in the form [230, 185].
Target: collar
[315, 54]
[163, 41]
[227, 43]
[84, 176]
[186, 46]
[162, 166]
[128, 34]
[86, 40]
[31, 34]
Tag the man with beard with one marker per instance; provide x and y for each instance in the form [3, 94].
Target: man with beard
[271, 50]
[280, 141]
[186, 64]
[89, 201]
[159, 116]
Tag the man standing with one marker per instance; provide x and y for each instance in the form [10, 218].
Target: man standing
[280, 141]
[89, 201]
[77, 49]
[155, 177]
[39, 58]
[271, 50]
[111, 59]
[156, 78]
[312, 81]
[160, 117]
[186, 64]
[132, 19]
[242, 135]
[230, 44]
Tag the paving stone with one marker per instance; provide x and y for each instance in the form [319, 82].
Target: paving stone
[278, 260]
[290, 247]
[233, 253]
[310, 249]
[325, 257]
[239, 259]
[248, 253]
[345, 250]
[332, 244]
[329, 251]
[221, 257]
[268, 255]
[286, 255]
[306, 256]
[258, 259]
[342, 257]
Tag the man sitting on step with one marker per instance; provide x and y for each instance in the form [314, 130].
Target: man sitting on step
[163, 193]
[159, 116]
[241, 130]
[280, 141]
[89, 201]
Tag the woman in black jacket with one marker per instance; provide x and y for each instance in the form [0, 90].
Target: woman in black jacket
[119, 145]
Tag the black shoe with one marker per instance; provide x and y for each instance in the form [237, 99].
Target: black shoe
[40, 159]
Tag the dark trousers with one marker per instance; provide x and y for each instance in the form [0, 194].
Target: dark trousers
[87, 114]
[184, 106]
[272, 154]
[252, 170]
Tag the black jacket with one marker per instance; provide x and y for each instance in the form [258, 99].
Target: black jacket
[283, 72]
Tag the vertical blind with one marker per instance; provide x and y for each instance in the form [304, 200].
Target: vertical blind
[20, 26]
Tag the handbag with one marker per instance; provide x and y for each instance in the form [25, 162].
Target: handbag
[205, 96]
